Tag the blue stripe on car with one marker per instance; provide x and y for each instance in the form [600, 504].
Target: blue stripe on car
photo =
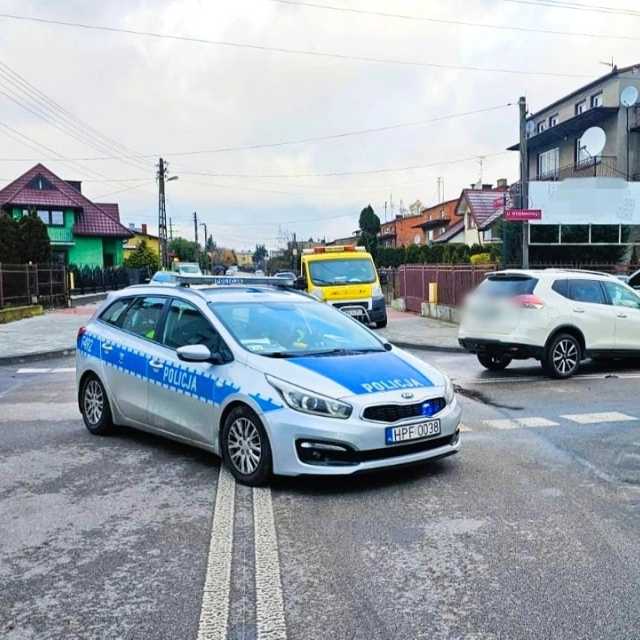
[367, 372]
[173, 376]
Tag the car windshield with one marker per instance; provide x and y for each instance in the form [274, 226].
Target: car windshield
[345, 271]
[189, 268]
[288, 329]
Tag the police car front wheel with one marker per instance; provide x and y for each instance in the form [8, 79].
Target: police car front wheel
[95, 406]
[245, 447]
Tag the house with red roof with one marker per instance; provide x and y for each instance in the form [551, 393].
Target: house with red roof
[479, 209]
[82, 232]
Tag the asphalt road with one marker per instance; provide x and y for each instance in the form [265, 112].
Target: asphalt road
[530, 532]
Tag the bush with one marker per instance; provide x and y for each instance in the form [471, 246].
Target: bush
[143, 258]
[481, 258]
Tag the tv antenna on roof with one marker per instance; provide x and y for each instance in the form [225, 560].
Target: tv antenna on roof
[611, 64]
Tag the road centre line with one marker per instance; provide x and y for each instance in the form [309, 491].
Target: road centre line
[214, 611]
[270, 621]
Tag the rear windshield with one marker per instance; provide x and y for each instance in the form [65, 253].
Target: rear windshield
[508, 286]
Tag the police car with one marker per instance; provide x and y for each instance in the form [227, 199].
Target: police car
[267, 377]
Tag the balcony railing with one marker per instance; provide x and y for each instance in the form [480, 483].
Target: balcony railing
[600, 166]
[61, 235]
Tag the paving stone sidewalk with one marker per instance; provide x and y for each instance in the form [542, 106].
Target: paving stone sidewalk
[49, 335]
[411, 331]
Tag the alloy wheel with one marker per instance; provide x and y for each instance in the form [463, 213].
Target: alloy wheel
[565, 356]
[244, 445]
[93, 402]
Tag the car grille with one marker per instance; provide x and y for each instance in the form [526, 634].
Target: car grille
[340, 305]
[395, 412]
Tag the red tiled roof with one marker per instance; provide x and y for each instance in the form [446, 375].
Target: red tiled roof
[482, 204]
[111, 208]
[91, 219]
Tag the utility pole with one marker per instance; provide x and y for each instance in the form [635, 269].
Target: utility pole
[195, 228]
[170, 229]
[524, 179]
[162, 214]
[206, 255]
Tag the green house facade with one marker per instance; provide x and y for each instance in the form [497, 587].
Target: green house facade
[82, 232]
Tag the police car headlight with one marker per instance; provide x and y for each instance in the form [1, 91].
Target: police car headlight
[376, 291]
[449, 391]
[308, 402]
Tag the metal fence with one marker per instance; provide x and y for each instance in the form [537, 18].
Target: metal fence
[454, 282]
[22, 284]
[98, 279]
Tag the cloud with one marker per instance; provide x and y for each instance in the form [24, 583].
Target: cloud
[163, 96]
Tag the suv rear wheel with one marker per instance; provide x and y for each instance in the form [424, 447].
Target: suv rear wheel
[494, 362]
[563, 356]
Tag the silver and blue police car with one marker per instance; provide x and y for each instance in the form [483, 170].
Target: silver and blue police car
[262, 375]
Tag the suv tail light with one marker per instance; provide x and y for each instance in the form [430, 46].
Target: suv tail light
[529, 301]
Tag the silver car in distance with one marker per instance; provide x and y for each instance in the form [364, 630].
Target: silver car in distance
[264, 376]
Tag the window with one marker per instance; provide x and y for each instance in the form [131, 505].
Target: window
[553, 120]
[185, 325]
[541, 126]
[143, 316]
[581, 107]
[50, 217]
[39, 183]
[582, 156]
[115, 312]
[342, 271]
[605, 234]
[544, 234]
[620, 296]
[596, 100]
[508, 286]
[575, 234]
[549, 163]
[586, 291]
[561, 287]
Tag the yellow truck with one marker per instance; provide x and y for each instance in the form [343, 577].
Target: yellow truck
[345, 277]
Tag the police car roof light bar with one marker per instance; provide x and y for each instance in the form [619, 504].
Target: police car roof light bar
[234, 281]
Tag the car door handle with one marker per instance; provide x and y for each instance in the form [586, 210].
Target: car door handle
[156, 364]
[578, 310]
[107, 347]
[622, 315]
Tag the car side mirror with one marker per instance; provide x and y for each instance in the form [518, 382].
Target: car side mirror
[383, 277]
[197, 353]
[300, 283]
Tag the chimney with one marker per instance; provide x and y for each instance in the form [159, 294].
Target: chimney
[144, 229]
[487, 187]
[502, 183]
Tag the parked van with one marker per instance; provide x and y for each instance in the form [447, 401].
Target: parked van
[345, 276]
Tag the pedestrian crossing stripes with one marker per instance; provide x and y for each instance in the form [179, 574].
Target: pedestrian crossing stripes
[578, 418]
[33, 370]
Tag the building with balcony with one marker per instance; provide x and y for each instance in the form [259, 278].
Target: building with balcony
[586, 199]
[82, 233]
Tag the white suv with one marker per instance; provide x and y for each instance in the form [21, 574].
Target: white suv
[557, 316]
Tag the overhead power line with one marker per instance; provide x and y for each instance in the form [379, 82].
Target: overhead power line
[454, 23]
[304, 52]
[579, 6]
[283, 143]
[340, 173]
[30, 98]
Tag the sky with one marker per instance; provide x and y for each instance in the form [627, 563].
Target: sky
[190, 102]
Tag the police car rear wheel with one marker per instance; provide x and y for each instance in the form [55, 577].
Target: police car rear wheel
[245, 447]
[95, 407]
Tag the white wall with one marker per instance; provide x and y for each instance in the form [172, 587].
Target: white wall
[586, 201]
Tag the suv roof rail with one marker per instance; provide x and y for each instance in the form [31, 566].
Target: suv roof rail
[586, 271]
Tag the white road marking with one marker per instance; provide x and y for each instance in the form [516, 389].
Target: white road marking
[29, 370]
[33, 370]
[63, 370]
[214, 612]
[39, 412]
[542, 379]
[465, 429]
[270, 620]
[594, 418]
[518, 423]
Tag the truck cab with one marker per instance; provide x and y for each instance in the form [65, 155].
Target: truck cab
[345, 276]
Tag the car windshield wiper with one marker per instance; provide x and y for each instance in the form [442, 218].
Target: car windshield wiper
[340, 352]
[280, 354]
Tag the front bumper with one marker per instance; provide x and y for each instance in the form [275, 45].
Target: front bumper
[364, 440]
